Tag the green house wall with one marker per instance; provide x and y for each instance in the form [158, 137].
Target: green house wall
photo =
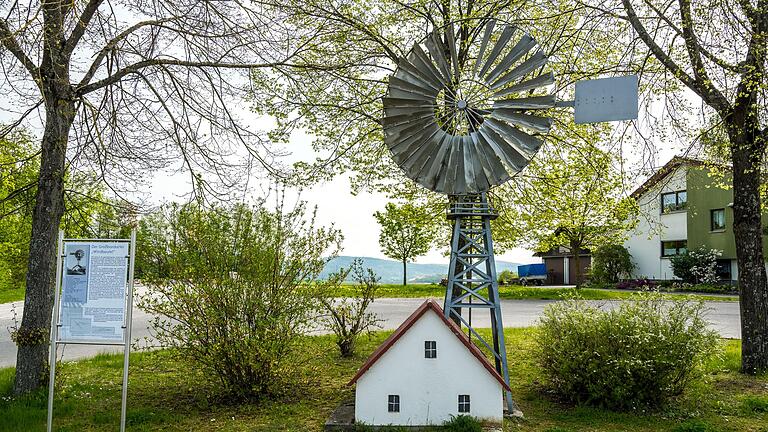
[704, 194]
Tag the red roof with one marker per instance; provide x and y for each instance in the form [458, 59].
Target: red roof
[408, 323]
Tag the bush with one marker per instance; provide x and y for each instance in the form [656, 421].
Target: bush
[696, 266]
[348, 317]
[640, 353]
[506, 277]
[610, 263]
[237, 297]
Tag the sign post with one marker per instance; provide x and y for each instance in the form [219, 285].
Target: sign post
[93, 301]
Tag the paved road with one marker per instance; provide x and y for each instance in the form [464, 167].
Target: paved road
[724, 317]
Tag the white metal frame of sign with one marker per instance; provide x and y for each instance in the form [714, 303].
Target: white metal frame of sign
[127, 308]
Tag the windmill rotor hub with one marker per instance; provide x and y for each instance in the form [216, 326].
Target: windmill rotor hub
[462, 104]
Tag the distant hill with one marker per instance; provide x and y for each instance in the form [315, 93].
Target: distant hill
[392, 271]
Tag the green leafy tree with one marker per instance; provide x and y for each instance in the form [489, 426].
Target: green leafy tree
[18, 172]
[406, 232]
[569, 197]
[610, 262]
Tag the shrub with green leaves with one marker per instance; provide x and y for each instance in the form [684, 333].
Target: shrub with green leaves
[610, 263]
[637, 354]
[696, 266]
[236, 298]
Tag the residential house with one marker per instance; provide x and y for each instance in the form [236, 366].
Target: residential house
[683, 207]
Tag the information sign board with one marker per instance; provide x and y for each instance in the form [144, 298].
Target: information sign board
[93, 300]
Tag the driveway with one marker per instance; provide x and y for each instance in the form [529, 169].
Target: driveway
[723, 316]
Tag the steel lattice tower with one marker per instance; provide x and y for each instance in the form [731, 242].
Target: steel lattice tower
[472, 281]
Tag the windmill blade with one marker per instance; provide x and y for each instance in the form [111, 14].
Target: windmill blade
[525, 44]
[500, 44]
[424, 64]
[399, 84]
[508, 154]
[405, 103]
[449, 178]
[415, 65]
[436, 166]
[435, 48]
[394, 136]
[536, 123]
[409, 72]
[486, 37]
[415, 162]
[480, 179]
[405, 119]
[531, 84]
[451, 41]
[533, 62]
[524, 143]
[460, 180]
[406, 146]
[492, 164]
[534, 102]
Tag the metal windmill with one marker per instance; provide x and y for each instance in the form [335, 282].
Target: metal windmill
[459, 120]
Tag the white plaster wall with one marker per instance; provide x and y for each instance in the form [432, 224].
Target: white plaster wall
[644, 242]
[429, 388]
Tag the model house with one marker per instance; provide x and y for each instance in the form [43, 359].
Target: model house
[426, 372]
[683, 207]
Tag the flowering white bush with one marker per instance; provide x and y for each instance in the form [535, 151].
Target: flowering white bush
[697, 266]
[637, 354]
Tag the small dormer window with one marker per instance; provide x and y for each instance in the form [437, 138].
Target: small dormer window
[463, 403]
[393, 403]
[430, 349]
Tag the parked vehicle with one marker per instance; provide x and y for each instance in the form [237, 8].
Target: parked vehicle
[532, 274]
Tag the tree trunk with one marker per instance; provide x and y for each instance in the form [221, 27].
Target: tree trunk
[405, 279]
[575, 249]
[32, 336]
[747, 229]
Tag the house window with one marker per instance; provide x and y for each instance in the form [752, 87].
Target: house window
[430, 349]
[717, 219]
[393, 403]
[674, 201]
[723, 269]
[463, 403]
[672, 248]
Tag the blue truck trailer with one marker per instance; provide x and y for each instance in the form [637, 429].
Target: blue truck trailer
[532, 274]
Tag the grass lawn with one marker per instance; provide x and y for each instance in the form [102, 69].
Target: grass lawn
[11, 295]
[510, 292]
[169, 395]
